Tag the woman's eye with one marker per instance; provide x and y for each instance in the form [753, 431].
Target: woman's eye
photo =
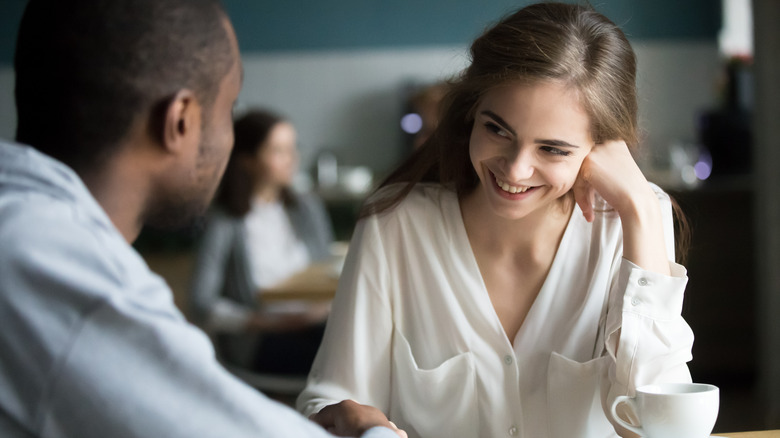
[555, 151]
[495, 129]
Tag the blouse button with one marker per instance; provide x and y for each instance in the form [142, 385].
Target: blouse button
[643, 281]
[513, 431]
[508, 359]
[635, 301]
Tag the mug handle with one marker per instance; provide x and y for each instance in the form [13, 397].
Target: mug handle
[631, 405]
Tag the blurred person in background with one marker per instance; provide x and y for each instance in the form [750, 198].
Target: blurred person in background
[260, 233]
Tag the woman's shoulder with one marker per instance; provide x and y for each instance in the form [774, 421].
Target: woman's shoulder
[422, 198]
[304, 197]
[217, 214]
[218, 220]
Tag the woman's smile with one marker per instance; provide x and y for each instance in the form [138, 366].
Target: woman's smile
[513, 192]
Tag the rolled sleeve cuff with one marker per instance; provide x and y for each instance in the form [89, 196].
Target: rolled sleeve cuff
[652, 294]
[379, 432]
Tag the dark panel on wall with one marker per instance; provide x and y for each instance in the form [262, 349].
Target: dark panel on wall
[363, 24]
[313, 24]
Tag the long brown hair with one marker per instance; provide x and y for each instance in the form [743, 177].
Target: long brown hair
[251, 132]
[570, 44]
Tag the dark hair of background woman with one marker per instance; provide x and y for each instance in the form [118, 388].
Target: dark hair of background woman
[251, 133]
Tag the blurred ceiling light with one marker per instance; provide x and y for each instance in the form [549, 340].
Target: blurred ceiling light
[411, 123]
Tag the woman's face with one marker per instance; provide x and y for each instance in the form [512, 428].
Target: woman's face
[277, 158]
[527, 145]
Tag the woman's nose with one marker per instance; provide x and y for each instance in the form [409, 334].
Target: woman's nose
[521, 164]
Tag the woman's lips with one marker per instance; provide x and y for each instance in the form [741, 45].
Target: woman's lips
[509, 191]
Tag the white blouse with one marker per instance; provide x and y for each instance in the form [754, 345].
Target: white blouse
[413, 331]
[275, 251]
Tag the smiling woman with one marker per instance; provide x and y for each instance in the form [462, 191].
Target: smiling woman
[525, 146]
[517, 272]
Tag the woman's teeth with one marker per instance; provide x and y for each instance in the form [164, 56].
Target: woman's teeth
[511, 189]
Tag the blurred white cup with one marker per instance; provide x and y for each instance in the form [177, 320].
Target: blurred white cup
[671, 410]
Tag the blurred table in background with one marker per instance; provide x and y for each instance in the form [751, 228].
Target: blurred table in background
[317, 282]
[756, 434]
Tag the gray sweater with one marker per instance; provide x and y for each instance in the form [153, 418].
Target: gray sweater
[222, 273]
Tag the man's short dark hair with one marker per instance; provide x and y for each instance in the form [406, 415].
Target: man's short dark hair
[85, 69]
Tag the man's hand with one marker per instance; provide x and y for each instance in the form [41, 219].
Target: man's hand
[349, 418]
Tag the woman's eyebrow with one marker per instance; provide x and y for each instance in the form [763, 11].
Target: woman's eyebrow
[499, 120]
[559, 143]
[547, 142]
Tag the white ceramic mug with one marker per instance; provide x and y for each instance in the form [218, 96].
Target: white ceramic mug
[671, 410]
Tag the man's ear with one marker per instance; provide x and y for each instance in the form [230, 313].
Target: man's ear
[182, 119]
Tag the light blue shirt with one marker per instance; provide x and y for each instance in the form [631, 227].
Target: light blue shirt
[91, 344]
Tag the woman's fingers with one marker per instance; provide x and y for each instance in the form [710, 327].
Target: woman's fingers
[584, 196]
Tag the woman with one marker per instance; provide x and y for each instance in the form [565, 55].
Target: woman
[516, 274]
[260, 233]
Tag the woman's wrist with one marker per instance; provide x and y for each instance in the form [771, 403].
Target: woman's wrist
[644, 243]
[640, 205]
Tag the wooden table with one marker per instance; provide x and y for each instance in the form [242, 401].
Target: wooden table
[317, 282]
[756, 434]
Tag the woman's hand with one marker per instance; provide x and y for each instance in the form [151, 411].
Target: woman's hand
[349, 418]
[611, 171]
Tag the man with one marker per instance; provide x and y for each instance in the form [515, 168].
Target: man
[126, 108]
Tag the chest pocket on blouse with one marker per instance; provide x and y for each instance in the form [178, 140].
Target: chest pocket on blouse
[436, 402]
[574, 398]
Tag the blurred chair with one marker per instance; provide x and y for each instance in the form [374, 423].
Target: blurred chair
[285, 385]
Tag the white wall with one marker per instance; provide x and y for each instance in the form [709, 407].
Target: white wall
[676, 81]
[350, 101]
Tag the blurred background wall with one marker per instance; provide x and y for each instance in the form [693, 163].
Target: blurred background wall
[340, 69]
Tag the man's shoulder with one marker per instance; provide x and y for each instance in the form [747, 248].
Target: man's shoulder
[33, 216]
[33, 210]
[43, 233]
[53, 248]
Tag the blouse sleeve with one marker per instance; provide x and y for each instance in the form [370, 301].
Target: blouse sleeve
[647, 338]
[313, 225]
[322, 226]
[354, 358]
[209, 308]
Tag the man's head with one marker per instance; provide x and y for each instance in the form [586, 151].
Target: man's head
[90, 72]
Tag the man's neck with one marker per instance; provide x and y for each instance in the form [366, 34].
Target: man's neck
[118, 191]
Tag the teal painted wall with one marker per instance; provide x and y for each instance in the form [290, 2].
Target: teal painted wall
[10, 14]
[345, 24]
[264, 26]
